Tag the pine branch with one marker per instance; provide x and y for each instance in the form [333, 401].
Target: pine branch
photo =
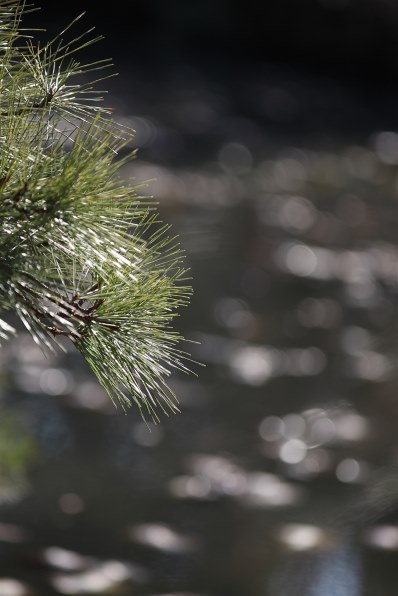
[82, 255]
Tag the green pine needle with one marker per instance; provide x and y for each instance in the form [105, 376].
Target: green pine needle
[82, 255]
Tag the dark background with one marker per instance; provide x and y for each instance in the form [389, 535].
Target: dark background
[268, 130]
[352, 41]
[339, 57]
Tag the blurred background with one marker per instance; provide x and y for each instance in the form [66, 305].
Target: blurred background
[269, 133]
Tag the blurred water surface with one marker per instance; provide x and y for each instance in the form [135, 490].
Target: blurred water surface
[280, 476]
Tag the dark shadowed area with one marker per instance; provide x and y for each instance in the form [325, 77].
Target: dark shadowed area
[269, 132]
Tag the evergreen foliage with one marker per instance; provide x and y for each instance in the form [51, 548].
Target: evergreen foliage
[82, 255]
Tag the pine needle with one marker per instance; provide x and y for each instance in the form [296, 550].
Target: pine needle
[82, 255]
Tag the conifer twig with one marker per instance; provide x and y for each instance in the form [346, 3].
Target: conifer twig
[82, 255]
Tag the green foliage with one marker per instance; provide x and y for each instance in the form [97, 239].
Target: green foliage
[18, 451]
[82, 255]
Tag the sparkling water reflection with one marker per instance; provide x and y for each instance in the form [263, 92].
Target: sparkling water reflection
[280, 477]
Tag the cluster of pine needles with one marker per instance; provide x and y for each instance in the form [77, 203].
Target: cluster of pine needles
[82, 254]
